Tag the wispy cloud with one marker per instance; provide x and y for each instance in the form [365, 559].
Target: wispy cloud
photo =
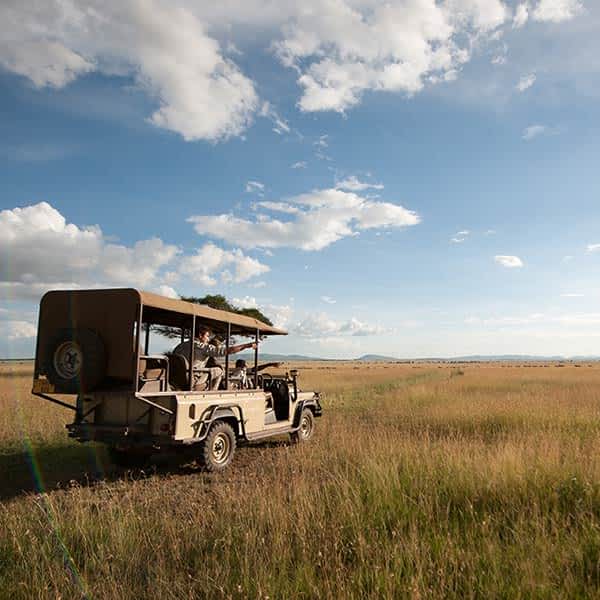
[526, 82]
[321, 144]
[533, 131]
[280, 125]
[321, 325]
[521, 15]
[568, 320]
[33, 152]
[328, 299]
[301, 164]
[255, 187]
[353, 184]
[322, 141]
[593, 247]
[460, 236]
[510, 262]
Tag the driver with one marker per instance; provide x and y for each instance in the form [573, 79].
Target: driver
[203, 351]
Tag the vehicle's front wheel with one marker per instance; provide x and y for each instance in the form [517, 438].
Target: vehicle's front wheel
[307, 427]
[218, 448]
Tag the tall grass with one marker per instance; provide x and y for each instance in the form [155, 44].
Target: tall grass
[420, 483]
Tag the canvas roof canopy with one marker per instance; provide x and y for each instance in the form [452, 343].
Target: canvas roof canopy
[169, 311]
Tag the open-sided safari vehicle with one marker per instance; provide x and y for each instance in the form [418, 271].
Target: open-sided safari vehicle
[95, 344]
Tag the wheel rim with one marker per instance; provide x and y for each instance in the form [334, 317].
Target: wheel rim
[68, 359]
[306, 426]
[221, 448]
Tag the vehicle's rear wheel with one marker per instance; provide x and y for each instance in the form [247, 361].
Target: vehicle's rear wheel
[306, 429]
[218, 448]
[127, 458]
[75, 360]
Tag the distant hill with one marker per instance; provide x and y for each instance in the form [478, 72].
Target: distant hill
[376, 358]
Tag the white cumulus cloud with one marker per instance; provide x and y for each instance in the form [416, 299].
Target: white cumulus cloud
[40, 250]
[168, 291]
[511, 262]
[165, 47]
[211, 264]
[245, 302]
[342, 49]
[183, 53]
[279, 314]
[315, 220]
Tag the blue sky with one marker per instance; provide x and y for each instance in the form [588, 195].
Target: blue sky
[417, 178]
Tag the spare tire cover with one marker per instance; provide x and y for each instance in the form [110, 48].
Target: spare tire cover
[75, 360]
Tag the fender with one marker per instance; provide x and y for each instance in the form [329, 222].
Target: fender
[313, 403]
[218, 412]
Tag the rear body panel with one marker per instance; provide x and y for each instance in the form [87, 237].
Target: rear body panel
[111, 313]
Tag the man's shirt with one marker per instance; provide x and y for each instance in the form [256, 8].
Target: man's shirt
[202, 352]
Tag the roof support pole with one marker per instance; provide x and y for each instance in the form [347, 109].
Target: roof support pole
[192, 342]
[227, 356]
[136, 354]
[256, 359]
[36, 366]
[147, 340]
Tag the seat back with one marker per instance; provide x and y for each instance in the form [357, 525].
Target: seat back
[281, 397]
[178, 372]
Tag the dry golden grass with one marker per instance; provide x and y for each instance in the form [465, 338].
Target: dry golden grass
[423, 481]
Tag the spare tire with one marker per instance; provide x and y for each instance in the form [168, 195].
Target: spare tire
[75, 360]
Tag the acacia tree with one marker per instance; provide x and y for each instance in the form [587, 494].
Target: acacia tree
[219, 302]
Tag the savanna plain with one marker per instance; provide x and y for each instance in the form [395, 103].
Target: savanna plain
[422, 481]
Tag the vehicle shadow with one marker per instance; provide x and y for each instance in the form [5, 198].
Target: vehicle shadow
[47, 468]
[55, 467]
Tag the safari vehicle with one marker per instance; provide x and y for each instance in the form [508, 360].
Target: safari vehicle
[94, 344]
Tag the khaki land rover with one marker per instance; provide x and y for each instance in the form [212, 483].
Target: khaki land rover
[94, 344]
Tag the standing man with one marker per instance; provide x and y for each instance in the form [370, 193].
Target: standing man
[203, 350]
